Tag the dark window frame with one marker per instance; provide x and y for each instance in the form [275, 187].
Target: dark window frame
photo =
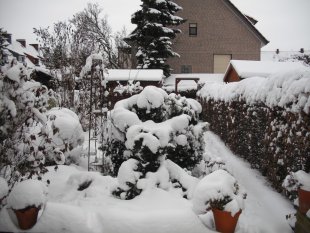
[193, 29]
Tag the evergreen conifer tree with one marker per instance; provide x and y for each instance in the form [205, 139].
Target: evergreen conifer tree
[155, 29]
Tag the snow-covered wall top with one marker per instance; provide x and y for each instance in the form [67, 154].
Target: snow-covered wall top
[290, 90]
[135, 74]
[246, 69]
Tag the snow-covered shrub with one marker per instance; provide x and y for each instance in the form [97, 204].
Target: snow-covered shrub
[66, 133]
[151, 127]
[152, 124]
[130, 89]
[30, 135]
[219, 190]
[28, 193]
[23, 103]
[295, 180]
[134, 178]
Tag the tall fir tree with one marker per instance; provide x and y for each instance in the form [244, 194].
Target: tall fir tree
[155, 29]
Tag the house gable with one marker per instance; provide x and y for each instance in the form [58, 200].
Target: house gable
[221, 30]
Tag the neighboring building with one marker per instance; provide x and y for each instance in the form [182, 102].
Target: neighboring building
[215, 32]
[30, 56]
[240, 69]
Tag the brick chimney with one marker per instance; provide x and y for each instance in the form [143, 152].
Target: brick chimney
[22, 41]
[8, 37]
[36, 46]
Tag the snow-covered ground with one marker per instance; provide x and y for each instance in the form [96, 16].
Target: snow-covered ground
[95, 210]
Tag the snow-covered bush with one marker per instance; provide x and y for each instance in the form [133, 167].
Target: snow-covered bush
[151, 127]
[66, 135]
[295, 180]
[22, 106]
[134, 178]
[30, 135]
[219, 190]
[28, 193]
[153, 124]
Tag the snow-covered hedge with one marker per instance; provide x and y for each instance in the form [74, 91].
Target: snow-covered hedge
[153, 126]
[265, 120]
[289, 90]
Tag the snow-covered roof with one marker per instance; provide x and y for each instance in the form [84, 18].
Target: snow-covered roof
[246, 19]
[246, 69]
[135, 74]
[18, 48]
[169, 83]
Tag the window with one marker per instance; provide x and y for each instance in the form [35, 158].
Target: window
[185, 69]
[193, 29]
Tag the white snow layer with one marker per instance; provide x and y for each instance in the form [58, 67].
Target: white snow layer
[27, 193]
[304, 179]
[134, 74]
[155, 210]
[289, 90]
[95, 210]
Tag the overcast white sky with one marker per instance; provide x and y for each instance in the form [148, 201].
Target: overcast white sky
[285, 23]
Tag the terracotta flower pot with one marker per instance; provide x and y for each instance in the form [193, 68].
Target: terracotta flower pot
[304, 200]
[27, 217]
[224, 222]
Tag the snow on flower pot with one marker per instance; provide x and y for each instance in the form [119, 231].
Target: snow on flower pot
[220, 192]
[26, 200]
[224, 221]
[299, 182]
[304, 200]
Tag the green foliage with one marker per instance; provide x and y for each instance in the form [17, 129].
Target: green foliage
[155, 29]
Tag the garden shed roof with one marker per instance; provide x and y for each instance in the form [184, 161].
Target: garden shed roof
[246, 69]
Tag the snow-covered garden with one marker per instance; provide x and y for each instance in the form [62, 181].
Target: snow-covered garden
[235, 159]
[165, 171]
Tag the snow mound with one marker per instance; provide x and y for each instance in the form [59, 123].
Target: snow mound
[27, 193]
[66, 126]
[217, 186]
[151, 97]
